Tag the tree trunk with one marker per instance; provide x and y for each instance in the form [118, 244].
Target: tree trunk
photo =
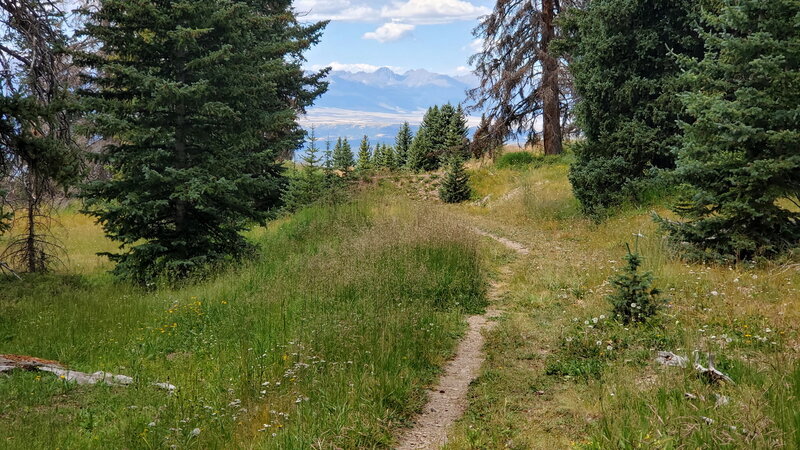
[550, 100]
[30, 244]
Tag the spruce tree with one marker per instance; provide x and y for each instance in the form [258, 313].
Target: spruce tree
[627, 79]
[740, 158]
[378, 158]
[456, 141]
[390, 158]
[455, 185]
[422, 154]
[402, 144]
[307, 186]
[200, 98]
[343, 159]
[364, 163]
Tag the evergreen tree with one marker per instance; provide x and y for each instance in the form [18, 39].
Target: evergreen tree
[390, 158]
[627, 79]
[343, 159]
[456, 141]
[327, 157]
[380, 156]
[402, 144]
[201, 96]
[455, 185]
[307, 186]
[740, 159]
[422, 155]
[364, 162]
[634, 299]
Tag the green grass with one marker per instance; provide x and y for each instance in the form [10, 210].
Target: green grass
[325, 340]
[547, 383]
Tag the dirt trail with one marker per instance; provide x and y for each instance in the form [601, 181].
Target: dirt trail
[447, 402]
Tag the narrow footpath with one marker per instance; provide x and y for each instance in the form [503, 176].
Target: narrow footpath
[447, 402]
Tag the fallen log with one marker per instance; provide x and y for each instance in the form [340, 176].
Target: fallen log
[9, 363]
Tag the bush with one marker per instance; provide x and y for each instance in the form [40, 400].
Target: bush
[635, 299]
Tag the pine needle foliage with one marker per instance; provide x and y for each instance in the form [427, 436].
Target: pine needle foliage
[201, 99]
[364, 162]
[343, 159]
[402, 144]
[740, 159]
[634, 299]
[627, 79]
[455, 185]
[309, 185]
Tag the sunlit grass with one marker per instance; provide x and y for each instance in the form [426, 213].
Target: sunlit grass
[326, 339]
[746, 316]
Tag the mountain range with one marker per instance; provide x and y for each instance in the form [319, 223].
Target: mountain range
[377, 103]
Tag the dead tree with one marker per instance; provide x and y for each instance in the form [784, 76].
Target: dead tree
[38, 151]
[523, 82]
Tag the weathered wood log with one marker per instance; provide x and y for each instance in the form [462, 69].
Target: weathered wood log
[9, 363]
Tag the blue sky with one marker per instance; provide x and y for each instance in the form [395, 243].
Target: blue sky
[435, 35]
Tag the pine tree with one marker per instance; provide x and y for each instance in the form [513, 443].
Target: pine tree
[402, 144]
[390, 158]
[380, 156]
[364, 163]
[201, 97]
[327, 157]
[455, 185]
[740, 158]
[456, 141]
[634, 299]
[308, 186]
[343, 159]
[626, 76]
[422, 154]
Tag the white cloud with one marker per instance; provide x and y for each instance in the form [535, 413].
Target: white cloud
[476, 45]
[340, 10]
[357, 67]
[417, 12]
[390, 32]
[433, 11]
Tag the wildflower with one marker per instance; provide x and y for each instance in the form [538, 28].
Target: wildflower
[586, 322]
[714, 293]
[599, 343]
[602, 316]
[609, 348]
[195, 432]
[594, 320]
[633, 305]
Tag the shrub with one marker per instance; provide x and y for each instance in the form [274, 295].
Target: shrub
[635, 299]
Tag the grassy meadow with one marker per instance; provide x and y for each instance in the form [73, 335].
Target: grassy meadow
[325, 340]
[560, 373]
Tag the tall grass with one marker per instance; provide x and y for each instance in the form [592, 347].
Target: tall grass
[324, 340]
[561, 373]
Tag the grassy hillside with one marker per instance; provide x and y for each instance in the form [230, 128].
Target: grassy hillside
[561, 373]
[325, 340]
